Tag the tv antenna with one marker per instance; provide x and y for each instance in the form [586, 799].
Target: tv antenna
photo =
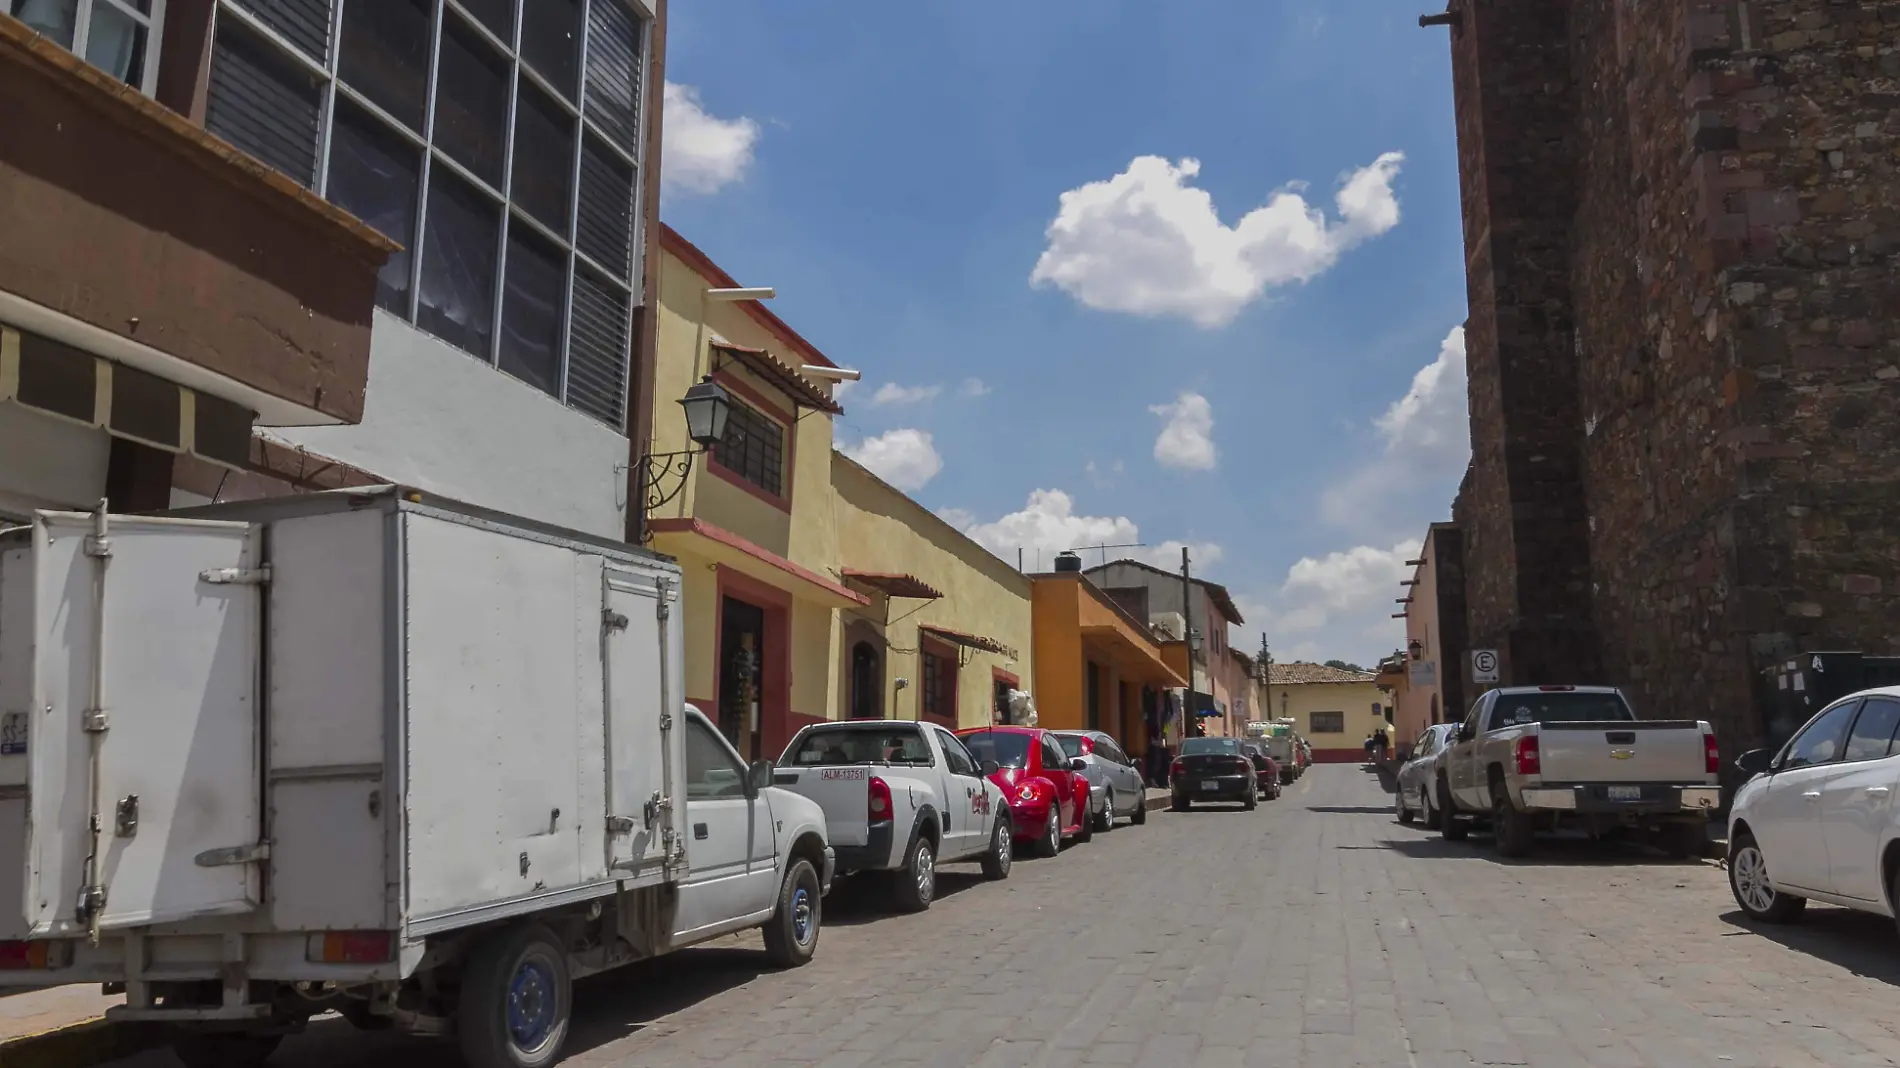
[1103, 549]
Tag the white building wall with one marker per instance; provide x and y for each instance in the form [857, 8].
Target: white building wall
[437, 418]
[47, 462]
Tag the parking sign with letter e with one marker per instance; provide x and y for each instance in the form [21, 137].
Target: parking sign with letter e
[1484, 665]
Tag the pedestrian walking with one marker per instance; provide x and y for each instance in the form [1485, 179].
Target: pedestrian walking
[1368, 745]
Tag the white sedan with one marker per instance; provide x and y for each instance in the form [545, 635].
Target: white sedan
[1818, 819]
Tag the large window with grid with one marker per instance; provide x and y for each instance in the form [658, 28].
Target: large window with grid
[937, 691]
[753, 448]
[119, 37]
[497, 140]
[1329, 723]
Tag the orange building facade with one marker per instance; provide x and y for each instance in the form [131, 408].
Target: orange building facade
[1096, 666]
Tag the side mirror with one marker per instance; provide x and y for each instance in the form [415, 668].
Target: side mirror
[758, 777]
[1755, 761]
[1078, 764]
[1466, 732]
[989, 767]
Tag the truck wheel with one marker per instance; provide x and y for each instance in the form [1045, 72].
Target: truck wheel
[791, 935]
[1450, 824]
[516, 1000]
[1513, 828]
[1002, 851]
[1051, 841]
[917, 879]
[1748, 880]
[1106, 821]
[224, 1049]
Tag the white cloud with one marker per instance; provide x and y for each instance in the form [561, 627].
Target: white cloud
[1425, 442]
[1149, 243]
[840, 388]
[1102, 476]
[700, 152]
[1186, 441]
[892, 393]
[1048, 524]
[1336, 606]
[905, 458]
[973, 387]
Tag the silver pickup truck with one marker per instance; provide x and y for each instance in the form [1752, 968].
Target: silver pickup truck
[1532, 758]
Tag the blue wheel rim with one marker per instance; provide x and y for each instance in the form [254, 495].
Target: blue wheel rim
[532, 1009]
[801, 915]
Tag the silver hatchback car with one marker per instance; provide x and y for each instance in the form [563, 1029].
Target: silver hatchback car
[1415, 796]
[1116, 788]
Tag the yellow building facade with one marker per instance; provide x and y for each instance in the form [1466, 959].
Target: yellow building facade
[947, 633]
[1333, 709]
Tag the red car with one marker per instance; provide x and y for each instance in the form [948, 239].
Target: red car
[1047, 793]
[1267, 767]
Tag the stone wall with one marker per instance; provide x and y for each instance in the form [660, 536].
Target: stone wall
[1732, 172]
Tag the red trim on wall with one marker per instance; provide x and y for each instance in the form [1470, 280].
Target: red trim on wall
[671, 241]
[728, 538]
[788, 450]
[775, 681]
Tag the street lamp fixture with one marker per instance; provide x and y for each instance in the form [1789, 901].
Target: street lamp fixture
[707, 406]
[1194, 640]
[1416, 648]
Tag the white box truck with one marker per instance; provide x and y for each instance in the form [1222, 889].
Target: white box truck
[371, 752]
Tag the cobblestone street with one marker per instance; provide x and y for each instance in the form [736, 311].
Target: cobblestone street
[1315, 932]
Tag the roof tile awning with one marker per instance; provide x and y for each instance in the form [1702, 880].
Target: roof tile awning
[969, 641]
[894, 585]
[700, 538]
[803, 391]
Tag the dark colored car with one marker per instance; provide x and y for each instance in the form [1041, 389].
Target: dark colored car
[1266, 768]
[1047, 792]
[1213, 769]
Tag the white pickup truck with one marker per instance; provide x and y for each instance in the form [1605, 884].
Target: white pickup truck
[900, 797]
[368, 752]
[1537, 757]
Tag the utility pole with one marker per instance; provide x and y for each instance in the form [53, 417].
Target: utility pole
[1188, 712]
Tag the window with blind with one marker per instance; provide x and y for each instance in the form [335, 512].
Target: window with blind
[497, 140]
[1329, 723]
[120, 37]
[754, 448]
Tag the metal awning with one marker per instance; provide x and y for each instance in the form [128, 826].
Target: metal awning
[969, 641]
[893, 585]
[804, 392]
[55, 378]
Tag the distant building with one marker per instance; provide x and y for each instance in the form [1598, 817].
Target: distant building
[1334, 709]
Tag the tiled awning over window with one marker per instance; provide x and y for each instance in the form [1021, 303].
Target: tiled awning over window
[803, 391]
[894, 585]
[970, 641]
[56, 378]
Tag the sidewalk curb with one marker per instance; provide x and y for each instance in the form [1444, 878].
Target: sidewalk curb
[80, 1045]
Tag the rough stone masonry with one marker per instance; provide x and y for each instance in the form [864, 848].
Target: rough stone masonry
[1682, 234]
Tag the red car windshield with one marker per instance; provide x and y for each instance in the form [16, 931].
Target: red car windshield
[1007, 748]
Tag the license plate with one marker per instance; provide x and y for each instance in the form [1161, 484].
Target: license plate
[1626, 793]
[1209, 784]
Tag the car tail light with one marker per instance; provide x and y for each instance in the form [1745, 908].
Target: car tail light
[880, 803]
[1528, 761]
[34, 956]
[1179, 766]
[1711, 755]
[352, 947]
[1028, 791]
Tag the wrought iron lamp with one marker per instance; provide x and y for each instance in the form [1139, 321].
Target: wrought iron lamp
[707, 406]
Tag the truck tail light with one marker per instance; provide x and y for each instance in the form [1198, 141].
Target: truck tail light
[34, 956]
[1711, 755]
[1528, 759]
[880, 802]
[352, 947]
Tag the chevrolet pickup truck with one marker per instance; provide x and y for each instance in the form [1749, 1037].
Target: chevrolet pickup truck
[900, 798]
[1531, 758]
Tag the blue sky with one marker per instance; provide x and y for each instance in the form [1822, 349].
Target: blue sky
[1238, 330]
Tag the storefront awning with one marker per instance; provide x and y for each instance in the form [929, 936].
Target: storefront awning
[783, 376]
[1137, 664]
[894, 585]
[969, 641]
[700, 539]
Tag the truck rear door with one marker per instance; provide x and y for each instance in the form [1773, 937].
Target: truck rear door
[143, 650]
[1653, 751]
[844, 794]
[642, 659]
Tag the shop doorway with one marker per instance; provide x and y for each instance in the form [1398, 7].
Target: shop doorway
[741, 673]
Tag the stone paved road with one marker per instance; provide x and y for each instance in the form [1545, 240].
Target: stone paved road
[1314, 932]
